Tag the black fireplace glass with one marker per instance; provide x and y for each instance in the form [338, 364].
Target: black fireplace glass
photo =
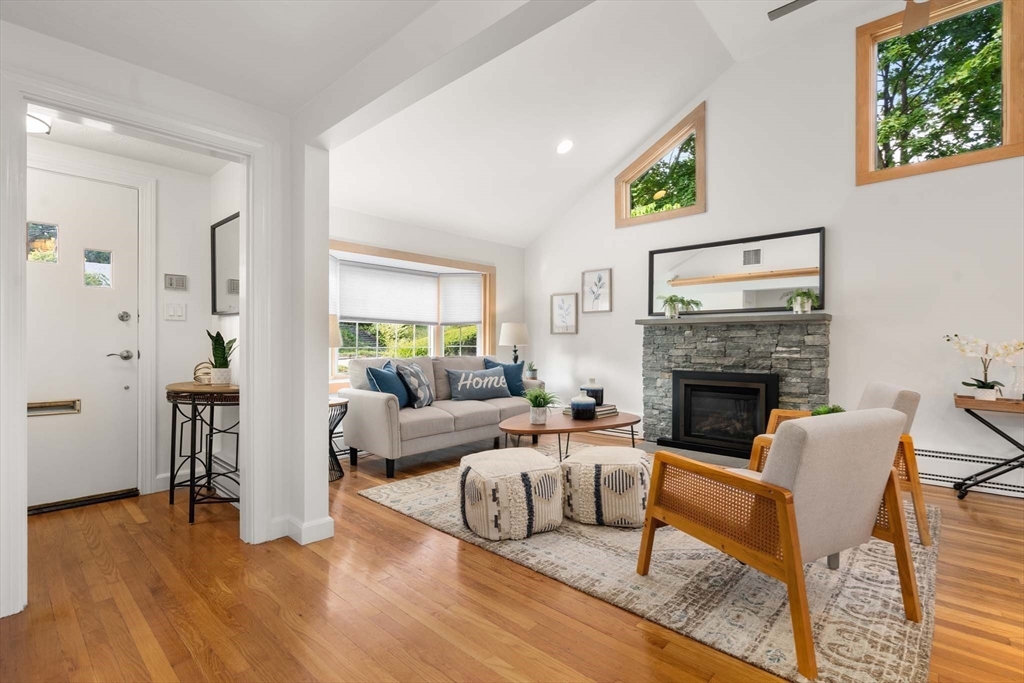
[723, 414]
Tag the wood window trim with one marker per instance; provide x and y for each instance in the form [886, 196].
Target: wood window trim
[692, 123]
[489, 274]
[868, 37]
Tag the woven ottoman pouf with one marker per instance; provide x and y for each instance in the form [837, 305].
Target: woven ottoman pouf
[512, 493]
[607, 485]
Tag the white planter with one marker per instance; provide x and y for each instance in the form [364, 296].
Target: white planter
[530, 374]
[538, 416]
[220, 376]
[986, 394]
[801, 305]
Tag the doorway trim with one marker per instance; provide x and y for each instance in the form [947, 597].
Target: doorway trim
[147, 313]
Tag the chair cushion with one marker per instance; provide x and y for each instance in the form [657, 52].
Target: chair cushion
[477, 385]
[513, 375]
[442, 390]
[416, 381]
[387, 381]
[882, 395]
[509, 407]
[470, 414]
[414, 423]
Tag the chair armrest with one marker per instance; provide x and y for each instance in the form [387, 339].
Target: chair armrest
[371, 423]
[759, 451]
[533, 384]
[780, 415]
[737, 514]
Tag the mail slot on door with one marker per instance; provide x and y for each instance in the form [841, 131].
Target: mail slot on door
[67, 407]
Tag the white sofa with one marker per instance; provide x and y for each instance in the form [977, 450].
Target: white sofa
[375, 424]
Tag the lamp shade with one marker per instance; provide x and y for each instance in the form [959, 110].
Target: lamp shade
[513, 334]
[335, 333]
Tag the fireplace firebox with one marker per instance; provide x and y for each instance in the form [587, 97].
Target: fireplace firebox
[720, 412]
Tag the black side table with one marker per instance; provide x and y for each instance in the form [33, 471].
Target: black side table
[337, 408]
[969, 404]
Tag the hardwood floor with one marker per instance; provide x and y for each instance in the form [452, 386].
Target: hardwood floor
[127, 591]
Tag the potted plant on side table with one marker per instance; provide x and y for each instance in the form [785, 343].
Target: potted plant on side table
[531, 371]
[540, 401]
[972, 347]
[221, 361]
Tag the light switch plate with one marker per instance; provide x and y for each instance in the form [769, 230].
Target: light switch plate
[175, 311]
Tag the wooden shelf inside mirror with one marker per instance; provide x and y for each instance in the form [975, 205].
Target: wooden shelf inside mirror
[742, 277]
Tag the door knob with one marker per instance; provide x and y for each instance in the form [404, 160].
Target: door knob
[124, 355]
[124, 316]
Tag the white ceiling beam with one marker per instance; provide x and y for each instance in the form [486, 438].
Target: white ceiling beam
[443, 44]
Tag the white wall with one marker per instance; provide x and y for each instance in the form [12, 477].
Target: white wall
[907, 260]
[508, 260]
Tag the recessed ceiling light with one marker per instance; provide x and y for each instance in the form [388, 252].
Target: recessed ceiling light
[37, 123]
[564, 146]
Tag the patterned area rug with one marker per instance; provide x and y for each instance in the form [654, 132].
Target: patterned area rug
[860, 633]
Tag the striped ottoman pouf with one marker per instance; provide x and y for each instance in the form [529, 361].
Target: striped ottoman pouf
[607, 485]
[510, 494]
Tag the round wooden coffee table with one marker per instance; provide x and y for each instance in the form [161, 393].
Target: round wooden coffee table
[519, 426]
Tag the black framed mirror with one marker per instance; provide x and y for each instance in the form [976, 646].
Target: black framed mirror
[224, 266]
[747, 275]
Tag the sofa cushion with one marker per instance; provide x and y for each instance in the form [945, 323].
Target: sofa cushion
[443, 390]
[513, 375]
[414, 423]
[357, 369]
[387, 381]
[509, 407]
[421, 393]
[470, 414]
[477, 385]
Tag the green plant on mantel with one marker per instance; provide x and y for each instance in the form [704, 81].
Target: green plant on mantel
[803, 294]
[680, 303]
[828, 410]
[221, 350]
[540, 398]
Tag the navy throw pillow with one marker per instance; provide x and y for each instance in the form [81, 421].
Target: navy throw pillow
[477, 385]
[387, 381]
[513, 375]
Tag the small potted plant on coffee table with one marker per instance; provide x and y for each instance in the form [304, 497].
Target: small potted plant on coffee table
[540, 401]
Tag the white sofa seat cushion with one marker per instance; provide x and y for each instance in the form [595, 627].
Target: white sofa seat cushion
[469, 414]
[414, 423]
[510, 406]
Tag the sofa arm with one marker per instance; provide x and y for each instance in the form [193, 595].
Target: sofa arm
[371, 423]
[533, 384]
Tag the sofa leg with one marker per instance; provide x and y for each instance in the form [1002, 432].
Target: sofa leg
[353, 456]
[833, 561]
[497, 442]
[389, 465]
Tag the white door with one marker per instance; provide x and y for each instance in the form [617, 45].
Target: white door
[82, 274]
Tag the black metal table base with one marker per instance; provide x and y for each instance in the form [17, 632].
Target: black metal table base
[997, 470]
[632, 440]
[334, 417]
[202, 429]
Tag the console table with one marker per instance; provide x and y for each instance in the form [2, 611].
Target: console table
[201, 400]
[969, 404]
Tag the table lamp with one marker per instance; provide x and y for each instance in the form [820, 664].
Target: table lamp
[514, 335]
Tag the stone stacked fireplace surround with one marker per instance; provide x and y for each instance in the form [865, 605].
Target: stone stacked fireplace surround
[793, 346]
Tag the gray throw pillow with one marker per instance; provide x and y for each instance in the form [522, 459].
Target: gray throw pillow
[477, 385]
[420, 393]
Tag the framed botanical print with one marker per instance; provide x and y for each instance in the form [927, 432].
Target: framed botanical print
[564, 313]
[597, 291]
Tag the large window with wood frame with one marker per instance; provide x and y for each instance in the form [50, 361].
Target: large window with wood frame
[942, 96]
[667, 180]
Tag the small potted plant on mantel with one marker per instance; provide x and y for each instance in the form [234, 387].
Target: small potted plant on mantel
[531, 370]
[540, 402]
[972, 347]
[802, 300]
[221, 361]
[673, 305]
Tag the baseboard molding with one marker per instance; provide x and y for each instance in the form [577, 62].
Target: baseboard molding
[303, 534]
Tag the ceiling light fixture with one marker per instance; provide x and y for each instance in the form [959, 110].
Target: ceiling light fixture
[564, 146]
[37, 124]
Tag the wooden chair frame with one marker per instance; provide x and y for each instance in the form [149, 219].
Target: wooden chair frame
[755, 522]
[905, 463]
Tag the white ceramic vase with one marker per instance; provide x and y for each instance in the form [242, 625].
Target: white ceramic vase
[538, 416]
[220, 376]
[801, 305]
[986, 394]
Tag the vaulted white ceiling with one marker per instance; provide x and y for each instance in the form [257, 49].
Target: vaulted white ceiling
[276, 55]
[478, 156]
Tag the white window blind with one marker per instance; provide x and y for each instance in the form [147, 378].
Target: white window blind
[372, 293]
[461, 298]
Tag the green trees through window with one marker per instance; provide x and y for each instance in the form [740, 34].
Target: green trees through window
[939, 89]
[376, 340]
[460, 340]
[669, 184]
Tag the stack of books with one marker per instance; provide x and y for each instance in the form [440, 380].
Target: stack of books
[606, 410]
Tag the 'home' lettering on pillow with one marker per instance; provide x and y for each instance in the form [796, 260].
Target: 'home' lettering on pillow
[469, 381]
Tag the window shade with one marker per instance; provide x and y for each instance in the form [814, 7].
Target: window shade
[371, 293]
[461, 298]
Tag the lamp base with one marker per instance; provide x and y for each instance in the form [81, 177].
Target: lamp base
[515, 354]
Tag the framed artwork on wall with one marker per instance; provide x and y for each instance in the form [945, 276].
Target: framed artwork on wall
[564, 313]
[597, 291]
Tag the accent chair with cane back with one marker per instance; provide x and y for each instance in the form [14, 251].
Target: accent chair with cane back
[876, 395]
[828, 485]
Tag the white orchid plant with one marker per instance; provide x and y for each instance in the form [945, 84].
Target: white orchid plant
[972, 347]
